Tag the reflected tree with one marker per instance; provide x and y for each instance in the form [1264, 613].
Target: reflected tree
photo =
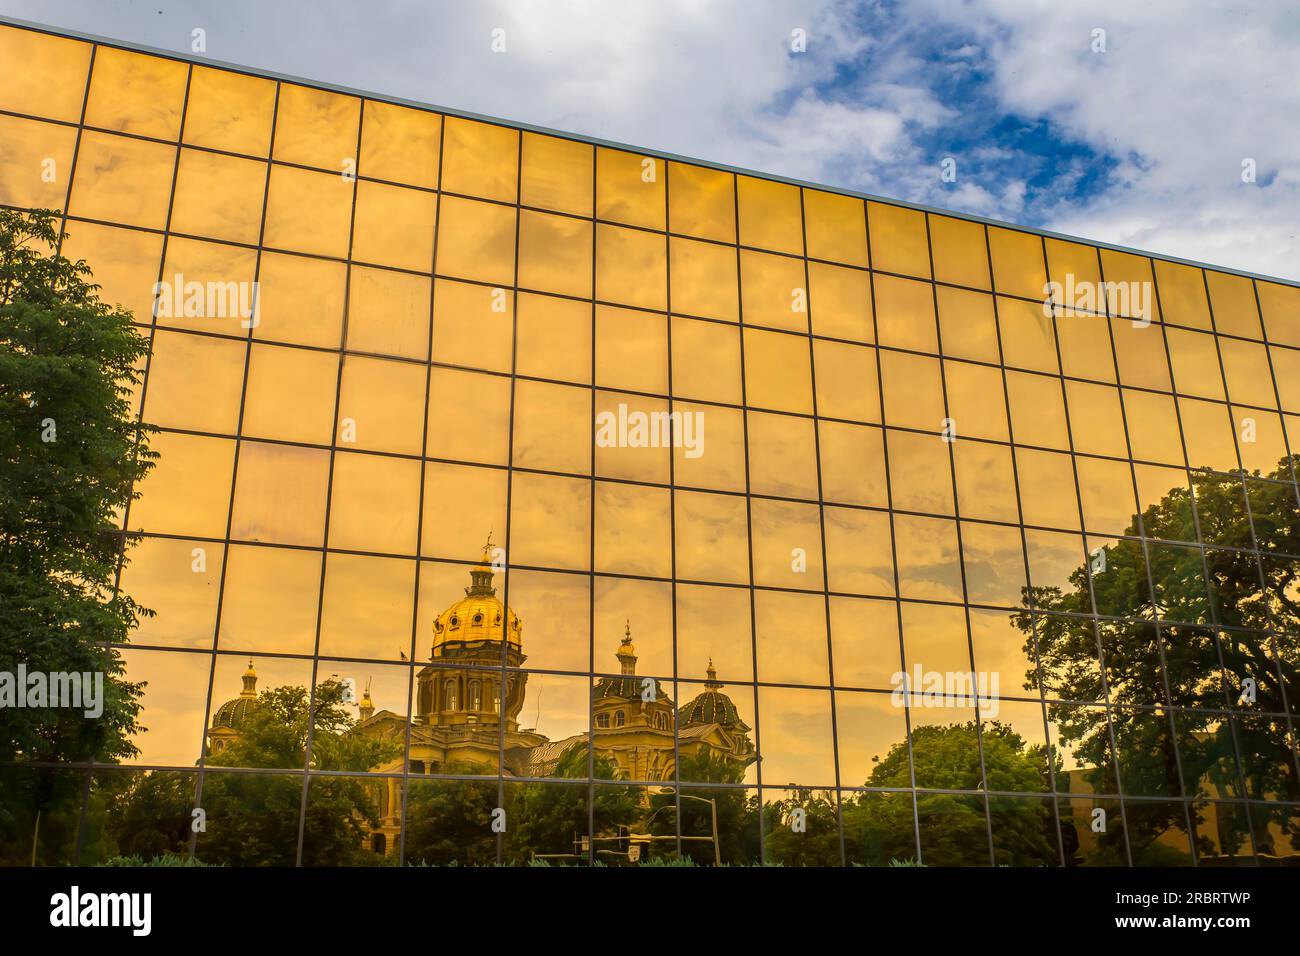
[1223, 682]
[948, 757]
[802, 829]
[737, 809]
[548, 817]
[449, 821]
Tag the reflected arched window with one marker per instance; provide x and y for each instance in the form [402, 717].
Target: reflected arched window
[602, 720]
[619, 718]
[475, 695]
[449, 695]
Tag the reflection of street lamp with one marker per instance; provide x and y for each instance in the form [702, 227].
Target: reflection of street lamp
[713, 813]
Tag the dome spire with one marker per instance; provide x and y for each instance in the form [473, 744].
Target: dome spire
[626, 652]
[250, 681]
[481, 575]
[712, 683]
[367, 706]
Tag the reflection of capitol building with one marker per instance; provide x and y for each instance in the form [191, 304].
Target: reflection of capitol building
[461, 724]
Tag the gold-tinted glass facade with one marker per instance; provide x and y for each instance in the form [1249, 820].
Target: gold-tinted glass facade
[814, 534]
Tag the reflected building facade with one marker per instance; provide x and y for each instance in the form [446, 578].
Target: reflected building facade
[961, 543]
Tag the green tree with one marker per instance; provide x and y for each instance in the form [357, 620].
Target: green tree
[252, 819]
[813, 842]
[449, 821]
[144, 815]
[954, 825]
[71, 456]
[274, 733]
[545, 817]
[1227, 744]
[737, 810]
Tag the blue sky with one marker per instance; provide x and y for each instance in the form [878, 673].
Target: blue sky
[1141, 144]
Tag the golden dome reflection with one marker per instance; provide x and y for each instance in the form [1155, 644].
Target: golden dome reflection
[478, 615]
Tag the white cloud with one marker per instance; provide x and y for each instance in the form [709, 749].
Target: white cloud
[1181, 96]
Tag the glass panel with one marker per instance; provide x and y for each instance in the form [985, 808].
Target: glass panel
[280, 494]
[381, 405]
[188, 491]
[392, 226]
[554, 338]
[712, 538]
[960, 255]
[219, 197]
[179, 581]
[480, 159]
[366, 611]
[976, 404]
[1281, 308]
[124, 263]
[556, 174]
[701, 202]
[374, 503]
[195, 382]
[713, 626]
[631, 267]
[1182, 294]
[300, 300]
[706, 361]
[790, 630]
[905, 314]
[929, 564]
[269, 600]
[846, 381]
[1233, 300]
[841, 302]
[898, 240]
[229, 111]
[629, 188]
[35, 162]
[266, 804]
[555, 254]
[476, 241]
[770, 215]
[773, 291]
[703, 279]
[136, 93]
[836, 227]
[290, 394]
[316, 128]
[400, 144]
[1018, 264]
[52, 82]
[797, 740]
[123, 180]
[967, 325]
[631, 350]
[633, 527]
[308, 212]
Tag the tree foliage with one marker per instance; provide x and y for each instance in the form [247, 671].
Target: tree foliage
[71, 454]
[1226, 684]
[954, 828]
